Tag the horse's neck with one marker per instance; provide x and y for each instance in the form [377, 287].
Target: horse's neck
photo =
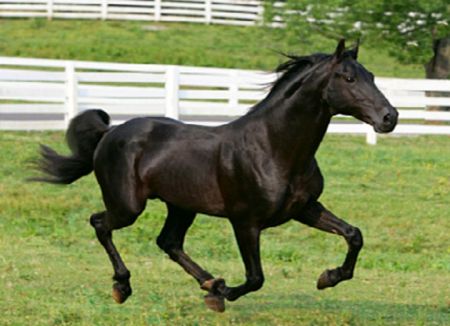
[295, 127]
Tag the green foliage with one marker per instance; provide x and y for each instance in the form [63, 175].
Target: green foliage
[328, 17]
[53, 271]
[407, 27]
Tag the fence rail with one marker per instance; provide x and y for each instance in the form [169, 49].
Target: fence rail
[45, 94]
[234, 12]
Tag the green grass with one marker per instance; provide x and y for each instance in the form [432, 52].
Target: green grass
[54, 272]
[183, 44]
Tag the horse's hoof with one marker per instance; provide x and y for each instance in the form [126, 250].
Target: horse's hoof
[328, 278]
[120, 292]
[215, 302]
[323, 281]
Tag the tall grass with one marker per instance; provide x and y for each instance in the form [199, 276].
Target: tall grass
[173, 43]
[54, 272]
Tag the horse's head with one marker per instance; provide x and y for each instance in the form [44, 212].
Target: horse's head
[351, 91]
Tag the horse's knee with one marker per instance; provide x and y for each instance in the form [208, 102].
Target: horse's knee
[96, 220]
[98, 223]
[354, 237]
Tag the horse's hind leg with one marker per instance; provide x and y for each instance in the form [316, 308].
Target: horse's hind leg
[104, 223]
[317, 216]
[171, 240]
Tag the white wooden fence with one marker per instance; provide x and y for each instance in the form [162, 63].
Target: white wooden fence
[235, 12]
[40, 94]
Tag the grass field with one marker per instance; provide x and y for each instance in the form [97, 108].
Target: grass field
[184, 44]
[54, 272]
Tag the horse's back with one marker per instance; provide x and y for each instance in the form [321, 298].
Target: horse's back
[127, 140]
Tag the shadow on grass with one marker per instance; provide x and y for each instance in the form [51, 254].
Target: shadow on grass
[352, 312]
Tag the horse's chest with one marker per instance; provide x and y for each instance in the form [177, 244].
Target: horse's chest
[300, 190]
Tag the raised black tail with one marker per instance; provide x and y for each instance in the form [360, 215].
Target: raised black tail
[83, 135]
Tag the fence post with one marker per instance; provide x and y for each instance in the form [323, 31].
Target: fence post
[208, 11]
[104, 9]
[371, 136]
[49, 9]
[71, 103]
[157, 13]
[172, 88]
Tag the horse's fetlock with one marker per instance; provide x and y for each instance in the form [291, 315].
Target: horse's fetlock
[345, 274]
[230, 294]
[122, 276]
[255, 282]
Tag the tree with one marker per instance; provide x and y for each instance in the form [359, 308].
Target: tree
[414, 31]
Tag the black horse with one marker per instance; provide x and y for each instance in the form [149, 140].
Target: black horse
[258, 171]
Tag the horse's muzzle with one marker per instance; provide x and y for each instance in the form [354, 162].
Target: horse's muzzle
[388, 122]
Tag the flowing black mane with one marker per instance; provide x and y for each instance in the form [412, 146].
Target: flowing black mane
[293, 72]
[297, 67]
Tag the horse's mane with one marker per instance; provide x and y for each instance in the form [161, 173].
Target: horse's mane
[298, 63]
[296, 67]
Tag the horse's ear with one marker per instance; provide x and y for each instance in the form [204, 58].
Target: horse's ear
[354, 51]
[340, 49]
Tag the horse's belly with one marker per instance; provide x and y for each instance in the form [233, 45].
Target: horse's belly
[193, 194]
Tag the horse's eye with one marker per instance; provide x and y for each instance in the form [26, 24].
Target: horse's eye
[349, 79]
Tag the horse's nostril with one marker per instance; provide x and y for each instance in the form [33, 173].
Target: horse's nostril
[387, 118]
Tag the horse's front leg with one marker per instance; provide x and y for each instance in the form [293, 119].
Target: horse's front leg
[317, 216]
[247, 237]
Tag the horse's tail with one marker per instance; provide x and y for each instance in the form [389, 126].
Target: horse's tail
[83, 135]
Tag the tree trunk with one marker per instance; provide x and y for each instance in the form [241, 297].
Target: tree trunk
[439, 66]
